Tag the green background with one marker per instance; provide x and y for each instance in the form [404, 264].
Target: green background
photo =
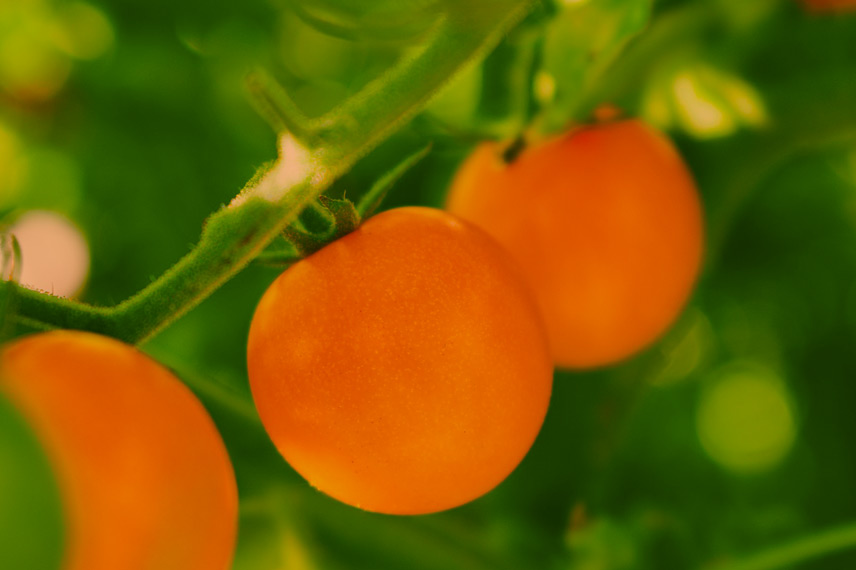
[141, 142]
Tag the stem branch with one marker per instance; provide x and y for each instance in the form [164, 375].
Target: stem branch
[314, 153]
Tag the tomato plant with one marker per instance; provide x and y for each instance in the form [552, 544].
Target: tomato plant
[605, 222]
[144, 478]
[384, 372]
[398, 382]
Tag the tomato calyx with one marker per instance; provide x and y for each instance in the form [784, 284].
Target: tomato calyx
[323, 221]
[513, 149]
[327, 219]
[607, 113]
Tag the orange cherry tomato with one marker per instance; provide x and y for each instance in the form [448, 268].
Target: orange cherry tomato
[605, 223]
[144, 477]
[403, 368]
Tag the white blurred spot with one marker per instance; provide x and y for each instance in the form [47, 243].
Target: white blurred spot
[296, 165]
[54, 253]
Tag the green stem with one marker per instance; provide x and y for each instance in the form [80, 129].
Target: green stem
[231, 239]
[466, 33]
[44, 311]
[814, 546]
[314, 156]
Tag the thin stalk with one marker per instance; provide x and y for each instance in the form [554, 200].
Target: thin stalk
[798, 551]
[467, 32]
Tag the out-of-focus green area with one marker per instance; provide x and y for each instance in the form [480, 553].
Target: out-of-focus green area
[732, 436]
[31, 529]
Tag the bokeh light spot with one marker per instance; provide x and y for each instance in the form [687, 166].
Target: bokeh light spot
[30, 68]
[54, 253]
[745, 420]
[82, 31]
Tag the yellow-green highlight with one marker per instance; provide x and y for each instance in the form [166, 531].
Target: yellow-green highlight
[745, 419]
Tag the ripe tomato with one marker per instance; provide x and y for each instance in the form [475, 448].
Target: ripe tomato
[143, 474]
[403, 368]
[605, 223]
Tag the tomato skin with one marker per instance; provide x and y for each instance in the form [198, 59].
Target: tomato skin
[605, 223]
[402, 369]
[145, 479]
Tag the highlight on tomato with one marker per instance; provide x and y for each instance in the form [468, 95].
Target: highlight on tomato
[606, 224]
[143, 477]
[403, 368]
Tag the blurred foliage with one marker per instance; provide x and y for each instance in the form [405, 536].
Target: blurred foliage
[31, 530]
[130, 118]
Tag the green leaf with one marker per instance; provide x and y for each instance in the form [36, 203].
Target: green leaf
[31, 527]
[377, 20]
[281, 253]
[579, 46]
[304, 243]
[494, 99]
[372, 199]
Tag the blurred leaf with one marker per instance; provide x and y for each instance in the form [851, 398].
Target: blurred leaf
[31, 526]
[603, 545]
[704, 101]
[579, 46]
[389, 20]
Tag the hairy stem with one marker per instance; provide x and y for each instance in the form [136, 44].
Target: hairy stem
[313, 156]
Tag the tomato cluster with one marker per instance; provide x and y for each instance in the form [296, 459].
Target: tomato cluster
[404, 368]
